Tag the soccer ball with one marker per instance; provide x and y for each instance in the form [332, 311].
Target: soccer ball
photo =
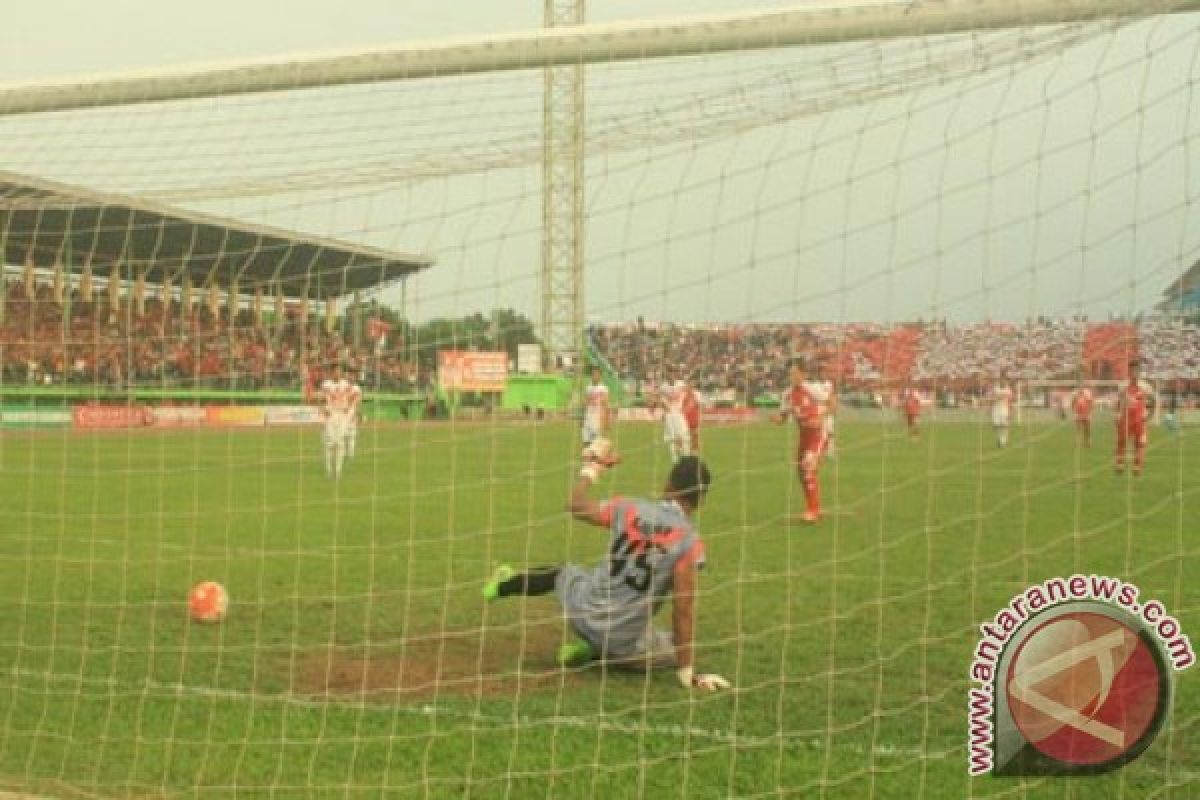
[600, 452]
[208, 601]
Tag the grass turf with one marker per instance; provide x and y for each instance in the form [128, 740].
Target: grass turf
[359, 660]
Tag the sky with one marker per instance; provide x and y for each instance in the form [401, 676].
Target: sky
[997, 176]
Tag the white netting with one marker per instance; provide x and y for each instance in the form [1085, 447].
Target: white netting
[934, 211]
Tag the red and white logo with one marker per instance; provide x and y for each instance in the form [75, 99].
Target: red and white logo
[1073, 676]
[1084, 689]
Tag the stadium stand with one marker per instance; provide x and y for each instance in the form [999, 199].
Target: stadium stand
[747, 360]
[1169, 349]
[1107, 349]
[89, 342]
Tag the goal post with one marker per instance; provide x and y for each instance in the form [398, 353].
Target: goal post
[805, 25]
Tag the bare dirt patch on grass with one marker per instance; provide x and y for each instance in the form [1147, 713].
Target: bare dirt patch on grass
[467, 663]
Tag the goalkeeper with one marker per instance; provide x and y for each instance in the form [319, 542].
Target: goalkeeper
[653, 549]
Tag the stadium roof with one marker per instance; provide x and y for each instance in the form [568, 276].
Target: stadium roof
[1184, 292]
[45, 223]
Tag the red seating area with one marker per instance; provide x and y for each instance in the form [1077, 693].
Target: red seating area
[1107, 350]
[903, 344]
[866, 355]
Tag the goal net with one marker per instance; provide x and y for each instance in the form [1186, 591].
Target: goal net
[933, 197]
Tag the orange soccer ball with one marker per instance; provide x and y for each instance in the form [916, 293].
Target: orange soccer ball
[208, 602]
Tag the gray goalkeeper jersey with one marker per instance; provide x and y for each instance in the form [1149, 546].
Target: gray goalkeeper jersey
[611, 605]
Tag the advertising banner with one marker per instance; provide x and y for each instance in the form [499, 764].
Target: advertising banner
[639, 414]
[708, 416]
[529, 359]
[179, 417]
[235, 416]
[97, 416]
[291, 415]
[470, 371]
[25, 417]
[727, 416]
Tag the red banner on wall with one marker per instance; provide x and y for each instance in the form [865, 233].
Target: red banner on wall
[101, 416]
[470, 371]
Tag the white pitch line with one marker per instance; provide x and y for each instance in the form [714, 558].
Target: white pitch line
[426, 710]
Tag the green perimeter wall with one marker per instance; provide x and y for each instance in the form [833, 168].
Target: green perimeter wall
[549, 392]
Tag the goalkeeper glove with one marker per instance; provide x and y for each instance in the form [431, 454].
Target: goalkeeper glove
[709, 682]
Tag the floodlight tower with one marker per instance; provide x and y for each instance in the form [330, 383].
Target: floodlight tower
[562, 196]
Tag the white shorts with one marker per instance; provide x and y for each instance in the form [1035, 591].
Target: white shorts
[337, 426]
[1000, 419]
[591, 430]
[675, 427]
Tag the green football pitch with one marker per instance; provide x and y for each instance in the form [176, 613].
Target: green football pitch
[358, 660]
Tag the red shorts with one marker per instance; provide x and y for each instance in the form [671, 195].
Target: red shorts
[811, 440]
[1130, 428]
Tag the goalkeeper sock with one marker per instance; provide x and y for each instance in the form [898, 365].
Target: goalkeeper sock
[812, 493]
[538, 581]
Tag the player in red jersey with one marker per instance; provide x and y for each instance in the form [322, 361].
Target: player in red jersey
[805, 401]
[691, 415]
[309, 379]
[1133, 402]
[911, 403]
[1082, 401]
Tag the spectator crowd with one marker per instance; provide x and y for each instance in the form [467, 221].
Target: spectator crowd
[749, 360]
[98, 341]
[1048, 349]
[90, 341]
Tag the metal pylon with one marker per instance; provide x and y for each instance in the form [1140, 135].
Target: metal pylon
[562, 197]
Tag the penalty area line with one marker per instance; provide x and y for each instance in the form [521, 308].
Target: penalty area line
[601, 722]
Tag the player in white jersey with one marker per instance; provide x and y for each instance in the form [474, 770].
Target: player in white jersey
[355, 411]
[675, 429]
[1002, 404]
[597, 412]
[828, 446]
[338, 403]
